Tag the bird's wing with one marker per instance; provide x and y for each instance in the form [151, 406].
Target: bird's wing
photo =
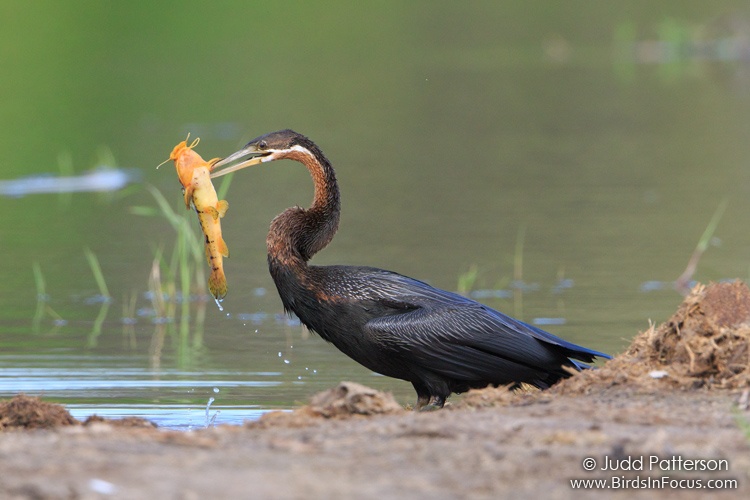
[464, 342]
[460, 337]
[418, 294]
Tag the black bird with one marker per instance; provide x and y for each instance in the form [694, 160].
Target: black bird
[439, 341]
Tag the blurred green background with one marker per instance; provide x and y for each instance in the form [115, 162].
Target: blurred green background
[579, 148]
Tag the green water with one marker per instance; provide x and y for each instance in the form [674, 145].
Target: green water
[605, 134]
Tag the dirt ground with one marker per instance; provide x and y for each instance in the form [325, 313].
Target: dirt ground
[679, 393]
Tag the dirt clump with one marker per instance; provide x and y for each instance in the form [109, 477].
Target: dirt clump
[132, 422]
[706, 343]
[350, 398]
[345, 400]
[29, 412]
[708, 336]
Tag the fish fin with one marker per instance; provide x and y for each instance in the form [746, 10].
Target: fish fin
[212, 212]
[222, 206]
[188, 191]
[217, 284]
[223, 248]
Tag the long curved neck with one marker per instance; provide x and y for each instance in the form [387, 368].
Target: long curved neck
[297, 234]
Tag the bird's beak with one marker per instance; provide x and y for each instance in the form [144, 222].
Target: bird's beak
[257, 157]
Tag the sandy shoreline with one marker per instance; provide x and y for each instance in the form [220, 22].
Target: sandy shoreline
[534, 448]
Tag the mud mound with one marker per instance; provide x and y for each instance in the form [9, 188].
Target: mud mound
[132, 422]
[31, 413]
[706, 343]
[708, 336]
[345, 400]
[349, 398]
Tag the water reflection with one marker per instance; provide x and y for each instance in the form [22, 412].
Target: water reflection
[170, 398]
[99, 180]
[176, 417]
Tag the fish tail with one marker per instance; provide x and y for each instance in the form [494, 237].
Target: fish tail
[217, 283]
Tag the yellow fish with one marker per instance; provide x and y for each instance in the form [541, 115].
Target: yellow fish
[195, 176]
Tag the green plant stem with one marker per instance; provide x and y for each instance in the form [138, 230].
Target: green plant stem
[96, 270]
[682, 283]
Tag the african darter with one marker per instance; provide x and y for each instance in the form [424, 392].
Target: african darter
[397, 326]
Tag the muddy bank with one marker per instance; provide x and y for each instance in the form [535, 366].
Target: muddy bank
[679, 392]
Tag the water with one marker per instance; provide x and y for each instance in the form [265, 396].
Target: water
[570, 155]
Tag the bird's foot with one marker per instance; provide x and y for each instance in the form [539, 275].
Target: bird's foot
[429, 403]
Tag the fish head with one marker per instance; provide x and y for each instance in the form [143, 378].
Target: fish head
[186, 160]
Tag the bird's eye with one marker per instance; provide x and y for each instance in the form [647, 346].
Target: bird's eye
[262, 145]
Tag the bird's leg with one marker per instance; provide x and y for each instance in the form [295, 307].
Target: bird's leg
[437, 401]
[429, 403]
[426, 400]
[422, 400]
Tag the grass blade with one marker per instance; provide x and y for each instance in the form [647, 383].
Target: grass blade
[682, 284]
[96, 270]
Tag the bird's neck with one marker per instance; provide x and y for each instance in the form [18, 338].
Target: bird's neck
[297, 234]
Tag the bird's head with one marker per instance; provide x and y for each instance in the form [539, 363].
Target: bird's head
[269, 147]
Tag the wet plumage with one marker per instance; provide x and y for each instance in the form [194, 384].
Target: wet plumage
[439, 341]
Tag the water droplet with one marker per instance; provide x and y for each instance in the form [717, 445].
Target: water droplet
[209, 420]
